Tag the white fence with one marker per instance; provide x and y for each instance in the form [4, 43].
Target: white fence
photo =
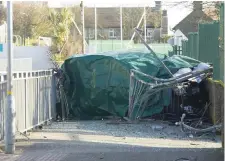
[35, 99]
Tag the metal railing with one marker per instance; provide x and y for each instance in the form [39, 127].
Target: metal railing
[35, 99]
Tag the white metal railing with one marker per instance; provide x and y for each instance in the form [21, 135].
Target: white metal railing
[35, 98]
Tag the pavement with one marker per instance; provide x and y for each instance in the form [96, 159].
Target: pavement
[98, 140]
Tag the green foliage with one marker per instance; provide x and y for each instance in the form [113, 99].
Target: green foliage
[61, 22]
[165, 38]
[2, 14]
[31, 20]
[131, 17]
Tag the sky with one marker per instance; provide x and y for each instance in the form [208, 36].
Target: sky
[175, 13]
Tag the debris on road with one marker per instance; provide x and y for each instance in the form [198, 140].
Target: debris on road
[136, 85]
[157, 127]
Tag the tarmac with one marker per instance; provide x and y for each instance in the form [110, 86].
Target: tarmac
[101, 141]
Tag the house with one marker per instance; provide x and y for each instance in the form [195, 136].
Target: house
[108, 20]
[108, 23]
[190, 23]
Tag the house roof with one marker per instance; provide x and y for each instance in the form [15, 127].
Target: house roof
[191, 21]
[110, 17]
[106, 17]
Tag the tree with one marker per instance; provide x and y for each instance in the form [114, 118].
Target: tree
[31, 20]
[61, 22]
[2, 14]
[165, 38]
[211, 8]
[131, 17]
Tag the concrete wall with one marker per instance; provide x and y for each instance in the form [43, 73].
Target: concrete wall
[37, 54]
[22, 64]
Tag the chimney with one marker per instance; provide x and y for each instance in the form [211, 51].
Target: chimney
[197, 5]
[164, 13]
[158, 5]
[164, 23]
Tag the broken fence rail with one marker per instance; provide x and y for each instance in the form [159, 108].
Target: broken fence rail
[160, 84]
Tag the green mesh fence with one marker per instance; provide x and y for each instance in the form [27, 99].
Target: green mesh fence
[158, 48]
[109, 45]
[115, 45]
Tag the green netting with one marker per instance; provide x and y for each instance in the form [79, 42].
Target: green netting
[113, 45]
[109, 45]
[158, 48]
[98, 85]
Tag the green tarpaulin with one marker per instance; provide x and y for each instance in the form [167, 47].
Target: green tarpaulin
[98, 85]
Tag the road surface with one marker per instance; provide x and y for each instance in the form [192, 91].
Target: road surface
[98, 141]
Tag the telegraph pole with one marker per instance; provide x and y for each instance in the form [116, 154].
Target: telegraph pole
[83, 28]
[10, 108]
[121, 27]
[96, 31]
[145, 23]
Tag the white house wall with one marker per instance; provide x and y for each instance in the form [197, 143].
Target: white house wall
[178, 37]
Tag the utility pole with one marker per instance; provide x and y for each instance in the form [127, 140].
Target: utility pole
[83, 29]
[121, 27]
[10, 108]
[24, 28]
[145, 23]
[96, 31]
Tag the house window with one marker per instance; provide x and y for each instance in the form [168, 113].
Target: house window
[112, 33]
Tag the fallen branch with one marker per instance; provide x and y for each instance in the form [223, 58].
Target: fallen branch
[209, 129]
